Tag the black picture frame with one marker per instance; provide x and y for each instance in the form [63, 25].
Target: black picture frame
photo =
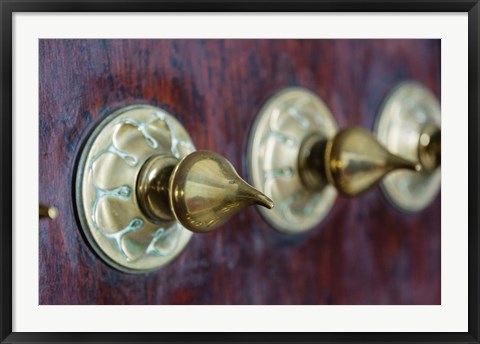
[9, 7]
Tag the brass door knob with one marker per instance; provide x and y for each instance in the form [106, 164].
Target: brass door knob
[299, 159]
[142, 189]
[352, 161]
[201, 191]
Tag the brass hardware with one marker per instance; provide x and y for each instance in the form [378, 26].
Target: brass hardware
[289, 119]
[48, 211]
[352, 161]
[202, 191]
[142, 189]
[409, 125]
[298, 158]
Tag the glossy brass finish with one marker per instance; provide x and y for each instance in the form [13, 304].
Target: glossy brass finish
[205, 191]
[153, 187]
[352, 161]
[319, 160]
[202, 191]
[355, 161]
[142, 189]
[48, 211]
[409, 125]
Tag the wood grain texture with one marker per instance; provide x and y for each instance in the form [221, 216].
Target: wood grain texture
[365, 252]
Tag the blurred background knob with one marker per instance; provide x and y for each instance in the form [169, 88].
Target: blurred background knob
[299, 158]
[352, 161]
[409, 124]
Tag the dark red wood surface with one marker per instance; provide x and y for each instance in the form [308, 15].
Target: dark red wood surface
[365, 252]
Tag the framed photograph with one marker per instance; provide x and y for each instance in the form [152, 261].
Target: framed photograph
[245, 172]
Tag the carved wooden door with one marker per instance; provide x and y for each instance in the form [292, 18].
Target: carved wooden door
[364, 252]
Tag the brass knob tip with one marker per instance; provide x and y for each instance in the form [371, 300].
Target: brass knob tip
[395, 162]
[264, 201]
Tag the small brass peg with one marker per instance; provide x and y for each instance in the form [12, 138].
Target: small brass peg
[48, 211]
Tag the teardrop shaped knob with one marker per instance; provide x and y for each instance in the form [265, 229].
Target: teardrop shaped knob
[352, 161]
[355, 161]
[201, 191]
[205, 191]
